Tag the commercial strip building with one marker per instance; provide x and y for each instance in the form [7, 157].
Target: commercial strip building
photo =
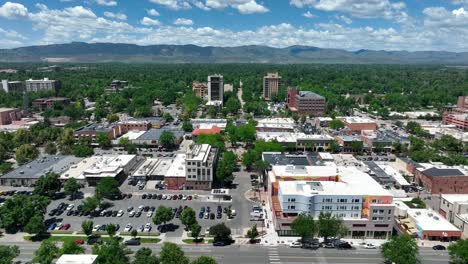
[425, 224]
[348, 193]
[42, 85]
[298, 140]
[357, 124]
[215, 90]
[305, 102]
[208, 123]
[93, 169]
[276, 125]
[91, 131]
[454, 207]
[8, 115]
[151, 138]
[440, 179]
[28, 174]
[152, 169]
[271, 85]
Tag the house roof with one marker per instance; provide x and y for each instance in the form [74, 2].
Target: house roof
[211, 131]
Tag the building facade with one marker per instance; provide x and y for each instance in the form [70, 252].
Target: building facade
[91, 131]
[442, 179]
[49, 103]
[8, 115]
[215, 89]
[200, 89]
[271, 85]
[200, 165]
[42, 85]
[12, 87]
[305, 102]
[358, 124]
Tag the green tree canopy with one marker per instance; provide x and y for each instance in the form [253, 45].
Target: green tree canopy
[8, 253]
[187, 126]
[48, 184]
[26, 153]
[204, 260]
[145, 256]
[458, 252]
[330, 226]
[163, 215]
[46, 253]
[172, 254]
[304, 225]
[87, 227]
[107, 188]
[90, 203]
[221, 232]
[401, 250]
[113, 252]
[188, 217]
[18, 211]
[167, 139]
[252, 233]
[195, 231]
[82, 151]
[71, 187]
[103, 140]
[70, 247]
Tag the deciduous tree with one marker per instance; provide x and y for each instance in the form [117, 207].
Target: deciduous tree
[401, 250]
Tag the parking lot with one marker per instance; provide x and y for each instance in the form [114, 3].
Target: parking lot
[136, 221]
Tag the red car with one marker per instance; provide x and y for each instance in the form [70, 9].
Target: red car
[174, 197]
[189, 197]
[65, 227]
[79, 242]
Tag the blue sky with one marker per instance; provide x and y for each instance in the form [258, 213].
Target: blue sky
[347, 24]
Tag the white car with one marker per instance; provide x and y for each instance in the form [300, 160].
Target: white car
[70, 206]
[147, 227]
[58, 226]
[120, 213]
[164, 197]
[140, 208]
[169, 197]
[128, 227]
[184, 197]
[149, 214]
[131, 214]
[296, 244]
[233, 212]
[370, 246]
[141, 228]
[96, 228]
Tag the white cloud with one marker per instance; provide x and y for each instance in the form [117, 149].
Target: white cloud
[119, 16]
[106, 2]
[146, 21]
[458, 2]
[11, 34]
[356, 8]
[308, 14]
[440, 17]
[183, 22]
[345, 19]
[152, 12]
[11, 10]
[243, 6]
[173, 4]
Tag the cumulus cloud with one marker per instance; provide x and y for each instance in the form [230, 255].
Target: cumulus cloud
[119, 16]
[152, 12]
[11, 10]
[345, 19]
[443, 18]
[146, 21]
[183, 22]
[106, 2]
[308, 14]
[243, 6]
[356, 8]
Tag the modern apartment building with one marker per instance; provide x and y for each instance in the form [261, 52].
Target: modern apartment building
[215, 89]
[15, 86]
[200, 89]
[41, 85]
[271, 85]
[200, 165]
[352, 195]
[305, 102]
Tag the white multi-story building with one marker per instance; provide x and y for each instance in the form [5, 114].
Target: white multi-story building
[365, 207]
[200, 165]
[40, 85]
[215, 89]
[15, 86]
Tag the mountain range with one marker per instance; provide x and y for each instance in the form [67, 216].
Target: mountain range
[129, 53]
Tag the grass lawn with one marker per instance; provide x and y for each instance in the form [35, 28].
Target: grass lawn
[140, 234]
[192, 241]
[144, 240]
[61, 232]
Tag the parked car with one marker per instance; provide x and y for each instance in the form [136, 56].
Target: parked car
[296, 244]
[138, 214]
[147, 227]
[94, 240]
[96, 228]
[120, 213]
[370, 246]
[149, 214]
[52, 226]
[132, 242]
[219, 244]
[79, 242]
[129, 209]
[439, 247]
[131, 214]
[128, 227]
[141, 228]
[65, 227]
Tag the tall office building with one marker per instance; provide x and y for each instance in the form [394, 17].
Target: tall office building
[15, 86]
[39, 85]
[271, 85]
[215, 89]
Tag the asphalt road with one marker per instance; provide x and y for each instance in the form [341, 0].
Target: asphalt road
[272, 255]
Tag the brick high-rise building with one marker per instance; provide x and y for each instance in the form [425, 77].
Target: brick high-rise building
[200, 89]
[8, 115]
[305, 102]
[271, 85]
[458, 115]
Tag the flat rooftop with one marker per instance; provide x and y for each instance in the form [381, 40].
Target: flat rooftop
[357, 120]
[42, 165]
[455, 198]
[177, 168]
[304, 171]
[291, 137]
[155, 134]
[352, 182]
[278, 158]
[76, 170]
[77, 259]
